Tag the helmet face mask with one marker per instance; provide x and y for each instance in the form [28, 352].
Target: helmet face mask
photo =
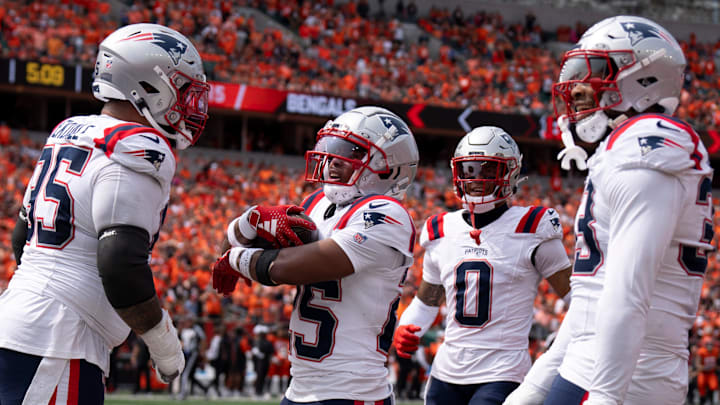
[160, 73]
[367, 150]
[483, 176]
[191, 107]
[592, 68]
[627, 65]
[336, 147]
[485, 168]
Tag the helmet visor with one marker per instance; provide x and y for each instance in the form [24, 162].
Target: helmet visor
[335, 160]
[586, 78]
[481, 175]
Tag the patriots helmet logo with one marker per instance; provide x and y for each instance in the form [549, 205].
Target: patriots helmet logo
[650, 143]
[173, 46]
[637, 31]
[376, 218]
[154, 157]
[390, 121]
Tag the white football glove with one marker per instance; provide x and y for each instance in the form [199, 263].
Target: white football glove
[525, 394]
[571, 151]
[165, 349]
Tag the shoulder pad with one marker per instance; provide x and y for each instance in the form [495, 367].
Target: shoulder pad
[373, 210]
[311, 201]
[657, 141]
[530, 221]
[139, 148]
[434, 229]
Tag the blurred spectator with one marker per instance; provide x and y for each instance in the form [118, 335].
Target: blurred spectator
[193, 338]
[262, 353]
[140, 361]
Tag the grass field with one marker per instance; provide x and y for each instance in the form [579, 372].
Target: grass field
[157, 399]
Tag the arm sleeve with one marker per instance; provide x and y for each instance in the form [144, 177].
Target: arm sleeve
[550, 257]
[122, 196]
[19, 235]
[643, 215]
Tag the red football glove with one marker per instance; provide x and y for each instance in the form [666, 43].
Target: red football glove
[224, 277]
[406, 342]
[274, 224]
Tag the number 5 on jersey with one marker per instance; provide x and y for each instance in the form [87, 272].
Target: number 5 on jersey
[51, 205]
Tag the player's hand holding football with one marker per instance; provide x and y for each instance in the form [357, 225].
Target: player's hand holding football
[406, 341]
[271, 223]
[165, 349]
[224, 276]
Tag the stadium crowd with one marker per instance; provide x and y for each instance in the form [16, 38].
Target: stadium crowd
[249, 326]
[348, 49]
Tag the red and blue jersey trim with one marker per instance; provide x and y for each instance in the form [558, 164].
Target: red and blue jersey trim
[114, 134]
[434, 225]
[342, 223]
[696, 156]
[531, 220]
[311, 201]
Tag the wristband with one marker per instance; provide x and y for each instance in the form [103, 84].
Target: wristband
[232, 235]
[263, 266]
[240, 258]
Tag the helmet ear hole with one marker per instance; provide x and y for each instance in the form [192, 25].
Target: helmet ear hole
[149, 88]
[647, 81]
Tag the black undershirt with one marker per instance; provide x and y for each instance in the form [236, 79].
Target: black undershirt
[486, 218]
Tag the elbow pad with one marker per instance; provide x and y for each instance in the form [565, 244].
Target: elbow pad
[122, 260]
[19, 235]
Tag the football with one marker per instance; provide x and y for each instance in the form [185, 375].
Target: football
[305, 235]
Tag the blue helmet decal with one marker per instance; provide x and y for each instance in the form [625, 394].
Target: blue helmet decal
[390, 121]
[173, 46]
[637, 31]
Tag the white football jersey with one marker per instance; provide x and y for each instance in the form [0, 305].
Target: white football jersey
[341, 331]
[55, 305]
[490, 288]
[631, 250]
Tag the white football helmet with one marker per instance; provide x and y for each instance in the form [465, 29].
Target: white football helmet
[487, 161]
[630, 62]
[377, 143]
[158, 71]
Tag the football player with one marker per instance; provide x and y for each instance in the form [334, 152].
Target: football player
[91, 213]
[486, 260]
[643, 227]
[349, 282]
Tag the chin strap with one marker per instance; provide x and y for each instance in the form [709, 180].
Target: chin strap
[475, 232]
[571, 152]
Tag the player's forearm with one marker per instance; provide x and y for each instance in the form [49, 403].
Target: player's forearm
[143, 316]
[312, 263]
[431, 294]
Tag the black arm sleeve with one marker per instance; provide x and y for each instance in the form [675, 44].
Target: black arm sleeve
[122, 260]
[19, 235]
